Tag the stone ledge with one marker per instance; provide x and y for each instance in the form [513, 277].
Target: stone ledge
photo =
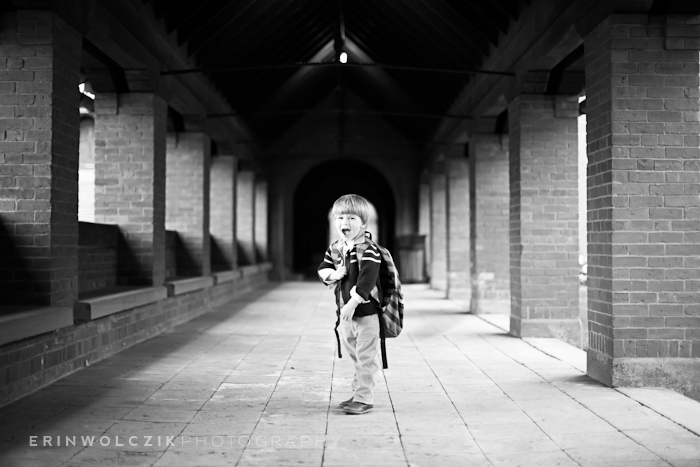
[192, 284]
[22, 322]
[88, 309]
[226, 276]
[253, 269]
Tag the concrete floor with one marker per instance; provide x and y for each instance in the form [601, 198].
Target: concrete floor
[256, 383]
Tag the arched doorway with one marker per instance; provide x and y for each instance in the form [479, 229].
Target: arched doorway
[315, 195]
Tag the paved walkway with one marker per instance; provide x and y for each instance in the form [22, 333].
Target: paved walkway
[256, 384]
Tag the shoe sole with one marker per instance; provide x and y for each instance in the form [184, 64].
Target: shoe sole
[358, 412]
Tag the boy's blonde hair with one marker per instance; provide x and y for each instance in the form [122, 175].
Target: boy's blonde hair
[352, 204]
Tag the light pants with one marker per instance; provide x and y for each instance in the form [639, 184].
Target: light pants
[360, 337]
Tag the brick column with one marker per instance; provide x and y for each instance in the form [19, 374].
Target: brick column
[544, 217]
[245, 217]
[39, 134]
[188, 165]
[438, 227]
[86, 171]
[424, 218]
[261, 220]
[643, 205]
[489, 214]
[130, 180]
[222, 223]
[458, 284]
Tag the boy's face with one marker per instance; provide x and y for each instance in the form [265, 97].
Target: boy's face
[349, 226]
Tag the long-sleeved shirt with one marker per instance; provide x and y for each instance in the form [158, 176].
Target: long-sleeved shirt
[362, 276]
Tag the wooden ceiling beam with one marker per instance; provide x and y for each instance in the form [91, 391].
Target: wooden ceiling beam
[285, 46]
[452, 33]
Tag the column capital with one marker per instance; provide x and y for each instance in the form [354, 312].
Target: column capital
[529, 82]
[483, 126]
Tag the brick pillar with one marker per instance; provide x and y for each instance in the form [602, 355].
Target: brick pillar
[643, 205]
[424, 218]
[261, 220]
[544, 217]
[130, 180]
[245, 217]
[86, 171]
[458, 284]
[222, 223]
[489, 214]
[39, 134]
[438, 227]
[188, 165]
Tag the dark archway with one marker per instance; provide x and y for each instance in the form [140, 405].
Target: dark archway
[315, 195]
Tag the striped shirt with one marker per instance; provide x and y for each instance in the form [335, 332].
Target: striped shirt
[362, 276]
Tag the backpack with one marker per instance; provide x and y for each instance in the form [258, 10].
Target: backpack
[391, 318]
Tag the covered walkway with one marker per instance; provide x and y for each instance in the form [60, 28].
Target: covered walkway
[255, 382]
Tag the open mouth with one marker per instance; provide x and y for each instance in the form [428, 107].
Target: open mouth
[346, 232]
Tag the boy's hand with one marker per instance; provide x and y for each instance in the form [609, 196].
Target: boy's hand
[347, 312]
[338, 273]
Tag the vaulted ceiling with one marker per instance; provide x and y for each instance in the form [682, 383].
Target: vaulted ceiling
[406, 58]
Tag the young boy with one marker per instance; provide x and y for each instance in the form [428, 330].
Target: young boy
[359, 321]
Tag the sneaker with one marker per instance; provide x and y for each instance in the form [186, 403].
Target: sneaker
[344, 404]
[357, 408]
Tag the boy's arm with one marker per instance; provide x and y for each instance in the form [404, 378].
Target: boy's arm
[326, 267]
[366, 280]
[326, 270]
[369, 271]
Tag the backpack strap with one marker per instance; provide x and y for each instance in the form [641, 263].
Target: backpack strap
[382, 341]
[335, 256]
[337, 336]
[359, 251]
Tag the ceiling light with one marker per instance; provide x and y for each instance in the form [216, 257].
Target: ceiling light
[343, 57]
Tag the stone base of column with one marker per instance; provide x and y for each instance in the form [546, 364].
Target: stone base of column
[680, 374]
[567, 330]
[599, 366]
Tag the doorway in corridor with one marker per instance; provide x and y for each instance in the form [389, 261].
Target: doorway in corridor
[314, 197]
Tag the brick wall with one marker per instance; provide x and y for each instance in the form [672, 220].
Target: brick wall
[39, 133]
[130, 180]
[544, 217]
[489, 214]
[245, 217]
[438, 227]
[457, 172]
[97, 257]
[643, 209]
[32, 363]
[188, 165]
[223, 213]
